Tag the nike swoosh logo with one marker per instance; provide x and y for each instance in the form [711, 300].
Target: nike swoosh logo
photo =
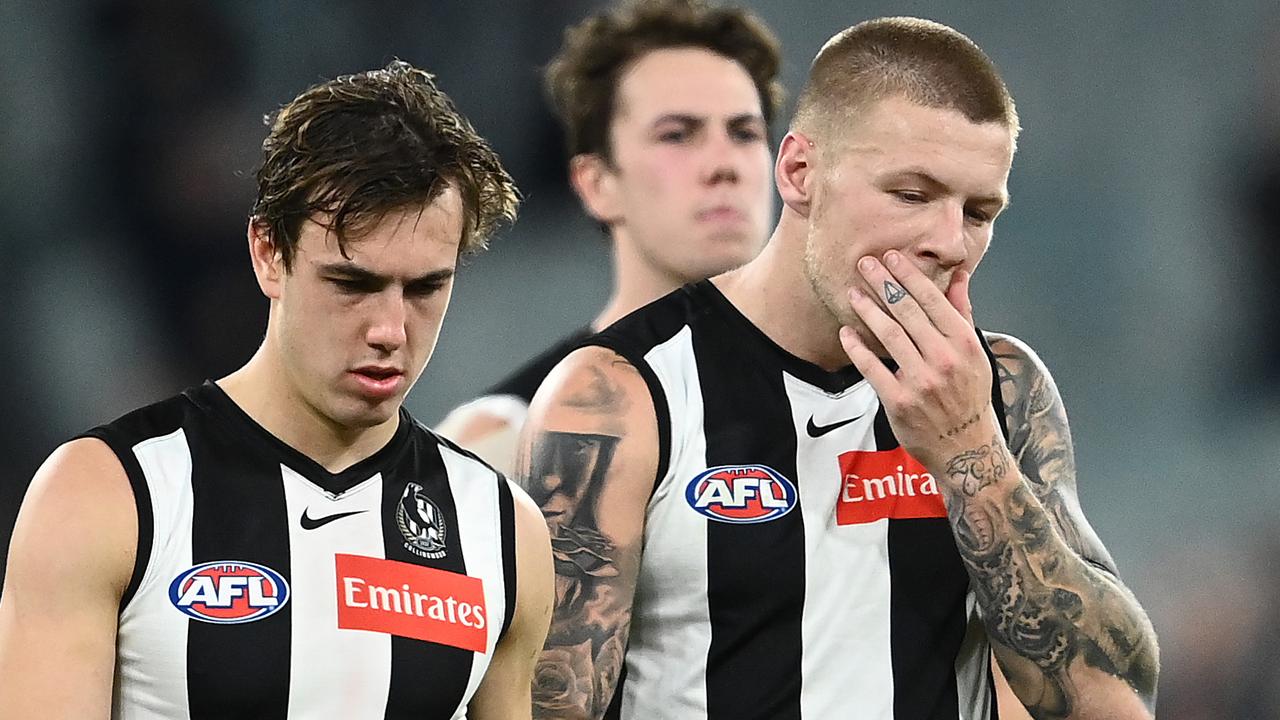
[310, 523]
[817, 431]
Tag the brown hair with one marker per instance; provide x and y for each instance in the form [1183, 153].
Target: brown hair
[582, 79]
[355, 148]
[926, 62]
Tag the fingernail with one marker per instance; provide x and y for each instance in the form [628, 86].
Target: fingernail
[867, 263]
[855, 294]
[891, 258]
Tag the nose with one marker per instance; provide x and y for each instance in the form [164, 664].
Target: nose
[945, 242]
[386, 328]
[722, 159]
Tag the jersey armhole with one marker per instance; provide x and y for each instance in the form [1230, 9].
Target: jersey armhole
[142, 503]
[507, 534]
[997, 400]
[661, 410]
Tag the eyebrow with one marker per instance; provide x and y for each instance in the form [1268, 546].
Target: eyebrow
[934, 183]
[354, 272]
[690, 119]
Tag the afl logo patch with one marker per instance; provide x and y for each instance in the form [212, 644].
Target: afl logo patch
[741, 494]
[229, 592]
[421, 523]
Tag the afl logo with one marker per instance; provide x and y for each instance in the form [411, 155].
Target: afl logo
[741, 494]
[229, 592]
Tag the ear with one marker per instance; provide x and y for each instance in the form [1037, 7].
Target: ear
[268, 264]
[597, 187]
[795, 172]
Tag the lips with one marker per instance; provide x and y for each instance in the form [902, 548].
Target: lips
[721, 213]
[378, 382]
[378, 372]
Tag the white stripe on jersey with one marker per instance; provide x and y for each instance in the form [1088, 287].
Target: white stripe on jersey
[333, 672]
[847, 668]
[670, 621]
[475, 494]
[972, 665]
[151, 655]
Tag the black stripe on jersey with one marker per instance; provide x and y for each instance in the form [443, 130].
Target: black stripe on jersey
[997, 399]
[238, 513]
[926, 608]
[428, 679]
[927, 600]
[754, 663]
[507, 535]
[141, 501]
[991, 683]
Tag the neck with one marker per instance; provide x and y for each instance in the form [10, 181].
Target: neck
[263, 391]
[636, 282]
[773, 292]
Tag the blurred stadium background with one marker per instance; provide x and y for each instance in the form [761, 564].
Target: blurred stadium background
[1140, 256]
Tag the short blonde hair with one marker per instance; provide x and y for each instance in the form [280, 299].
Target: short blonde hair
[923, 61]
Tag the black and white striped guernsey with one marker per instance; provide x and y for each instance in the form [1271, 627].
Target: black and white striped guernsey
[268, 587]
[797, 563]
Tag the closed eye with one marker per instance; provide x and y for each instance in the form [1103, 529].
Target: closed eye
[350, 286]
[978, 216]
[423, 289]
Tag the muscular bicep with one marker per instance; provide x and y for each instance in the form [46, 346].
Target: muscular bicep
[589, 453]
[1040, 439]
[70, 559]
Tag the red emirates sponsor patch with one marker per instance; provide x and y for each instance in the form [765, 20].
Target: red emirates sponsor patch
[411, 601]
[885, 484]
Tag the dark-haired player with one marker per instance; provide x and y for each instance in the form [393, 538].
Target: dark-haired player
[287, 541]
[667, 106]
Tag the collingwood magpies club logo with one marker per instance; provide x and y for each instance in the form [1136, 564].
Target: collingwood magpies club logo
[421, 523]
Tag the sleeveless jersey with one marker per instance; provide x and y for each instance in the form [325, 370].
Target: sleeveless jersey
[267, 587]
[797, 562]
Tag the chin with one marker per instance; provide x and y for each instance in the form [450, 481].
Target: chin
[361, 416]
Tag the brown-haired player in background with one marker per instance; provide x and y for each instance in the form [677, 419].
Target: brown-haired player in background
[809, 487]
[287, 541]
[667, 106]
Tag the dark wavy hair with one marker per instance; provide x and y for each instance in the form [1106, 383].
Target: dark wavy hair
[349, 151]
[582, 79]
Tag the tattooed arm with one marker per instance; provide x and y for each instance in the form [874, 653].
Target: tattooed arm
[1069, 636]
[1071, 639]
[588, 455]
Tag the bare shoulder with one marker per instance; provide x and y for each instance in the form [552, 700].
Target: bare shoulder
[1025, 381]
[1040, 439]
[591, 441]
[593, 387]
[80, 491]
[70, 560]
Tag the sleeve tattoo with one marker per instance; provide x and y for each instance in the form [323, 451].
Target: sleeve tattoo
[563, 473]
[1045, 585]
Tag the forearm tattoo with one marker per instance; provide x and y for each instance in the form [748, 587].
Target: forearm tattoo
[563, 473]
[1046, 457]
[1025, 554]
